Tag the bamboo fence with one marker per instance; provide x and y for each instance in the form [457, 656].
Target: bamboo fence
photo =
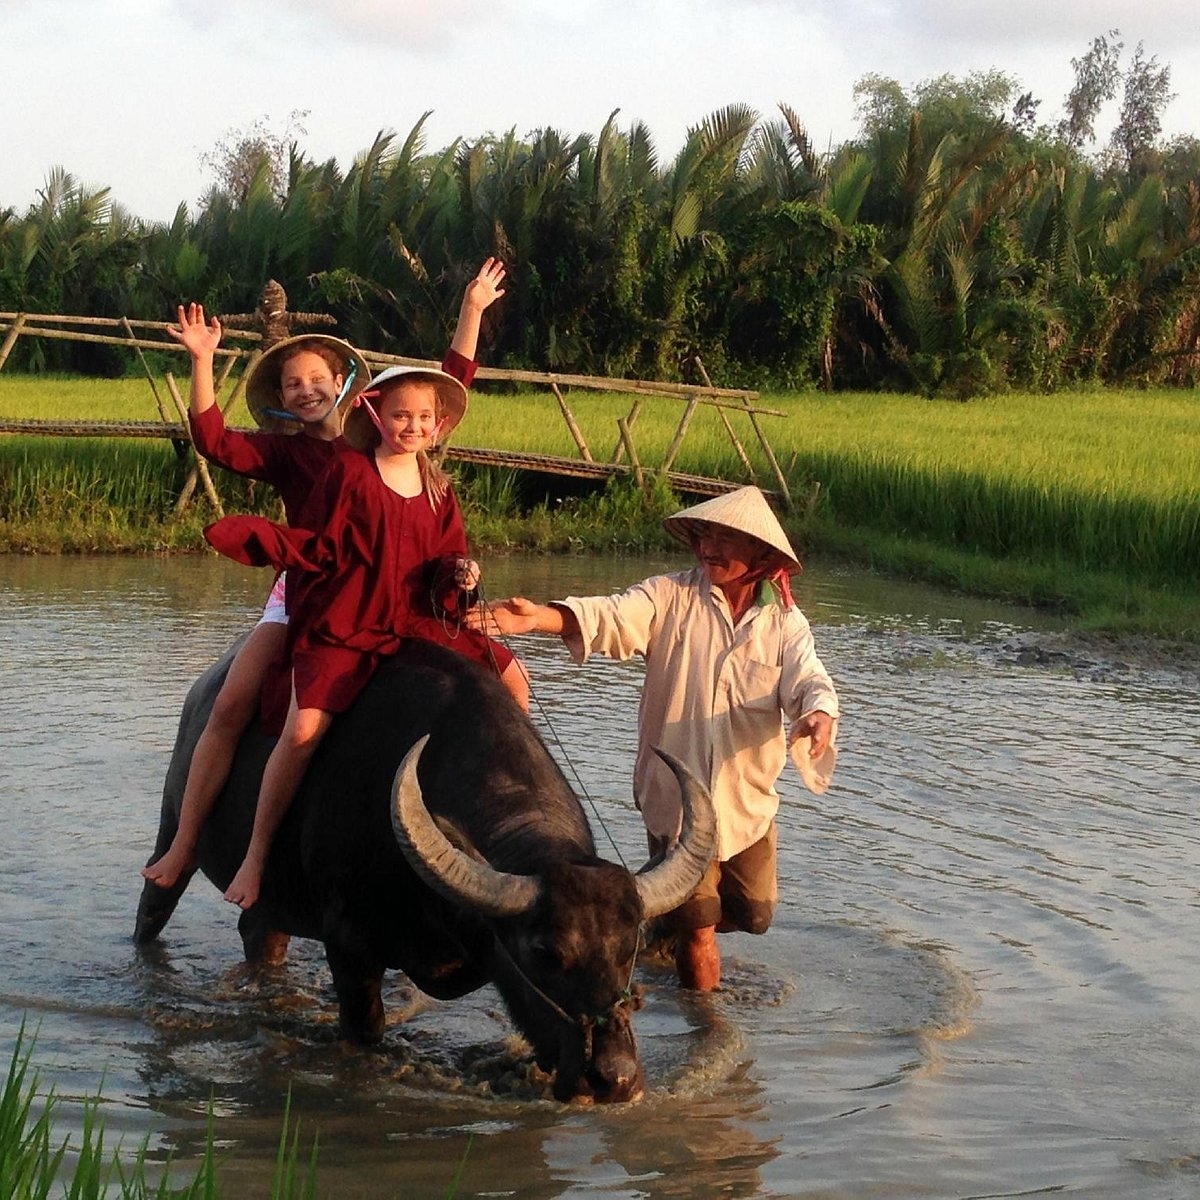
[243, 346]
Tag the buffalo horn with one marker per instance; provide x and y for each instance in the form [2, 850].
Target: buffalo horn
[446, 869]
[668, 885]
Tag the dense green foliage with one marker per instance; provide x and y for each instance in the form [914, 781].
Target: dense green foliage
[954, 248]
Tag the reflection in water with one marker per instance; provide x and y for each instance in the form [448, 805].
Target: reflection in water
[985, 940]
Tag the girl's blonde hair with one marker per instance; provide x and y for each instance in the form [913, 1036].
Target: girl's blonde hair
[434, 480]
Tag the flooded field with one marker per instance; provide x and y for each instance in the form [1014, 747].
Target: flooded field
[983, 978]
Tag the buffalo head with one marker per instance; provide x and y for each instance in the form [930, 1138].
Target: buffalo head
[565, 939]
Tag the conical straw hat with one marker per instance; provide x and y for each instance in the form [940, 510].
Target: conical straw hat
[745, 510]
[452, 396]
[262, 384]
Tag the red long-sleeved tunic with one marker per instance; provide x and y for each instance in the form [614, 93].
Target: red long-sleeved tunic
[290, 462]
[379, 569]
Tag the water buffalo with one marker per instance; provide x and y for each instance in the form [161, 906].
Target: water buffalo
[434, 833]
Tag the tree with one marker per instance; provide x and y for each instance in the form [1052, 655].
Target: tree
[242, 154]
[881, 105]
[1147, 93]
[975, 100]
[1097, 74]
[946, 103]
[1024, 114]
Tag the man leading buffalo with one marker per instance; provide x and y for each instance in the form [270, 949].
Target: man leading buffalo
[729, 658]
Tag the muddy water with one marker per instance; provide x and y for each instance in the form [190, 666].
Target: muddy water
[982, 980]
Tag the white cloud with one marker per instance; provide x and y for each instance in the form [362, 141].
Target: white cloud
[416, 25]
[1167, 23]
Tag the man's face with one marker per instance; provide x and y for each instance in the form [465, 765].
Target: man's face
[727, 555]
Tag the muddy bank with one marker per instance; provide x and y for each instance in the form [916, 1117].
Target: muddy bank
[1105, 656]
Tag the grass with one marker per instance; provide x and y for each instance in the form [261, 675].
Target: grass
[37, 1161]
[1103, 480]
[1088, 502]
[104, 495]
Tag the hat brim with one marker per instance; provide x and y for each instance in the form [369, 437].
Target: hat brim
[688, 530]
[744, 510]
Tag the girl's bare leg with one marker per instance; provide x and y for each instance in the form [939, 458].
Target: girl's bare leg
[285, 768]
[234, 709]
[516, 678]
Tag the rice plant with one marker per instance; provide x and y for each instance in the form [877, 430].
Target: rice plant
[93, 494]
[38, 1162]
[1098, 482]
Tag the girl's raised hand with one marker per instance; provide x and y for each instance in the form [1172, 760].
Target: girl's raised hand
[198, 338]
[486, 288]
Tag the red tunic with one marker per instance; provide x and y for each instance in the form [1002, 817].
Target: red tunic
[379, 570]
[291, 462]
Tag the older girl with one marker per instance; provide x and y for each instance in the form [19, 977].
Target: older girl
[298, 392]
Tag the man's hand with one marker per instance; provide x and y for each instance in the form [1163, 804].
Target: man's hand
[816, 725]
[516, 615]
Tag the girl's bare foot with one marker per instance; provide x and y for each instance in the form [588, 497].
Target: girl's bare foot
[243, 891]
[165, 871]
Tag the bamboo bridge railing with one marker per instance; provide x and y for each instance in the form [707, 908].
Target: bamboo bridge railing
[244, 345]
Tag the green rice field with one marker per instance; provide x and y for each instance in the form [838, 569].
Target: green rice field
[1087, 501]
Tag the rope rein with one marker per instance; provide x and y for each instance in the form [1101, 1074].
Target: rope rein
[629, 995]
[453, 626]
[502, 638]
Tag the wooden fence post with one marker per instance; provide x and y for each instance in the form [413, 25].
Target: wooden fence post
[762, 439]
[201, 467]
[737, 445]
[627, 439]
[572, 425]
[677, 441]
[162, 408]
[11, 340]
[240, 386]
[619, 449]
[226, 367]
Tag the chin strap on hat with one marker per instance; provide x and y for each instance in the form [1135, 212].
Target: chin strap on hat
[782, 582]
[363, 399]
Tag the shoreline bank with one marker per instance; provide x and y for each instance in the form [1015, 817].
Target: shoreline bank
[1154, 624]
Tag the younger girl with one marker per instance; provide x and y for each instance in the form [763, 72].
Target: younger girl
[389, 562]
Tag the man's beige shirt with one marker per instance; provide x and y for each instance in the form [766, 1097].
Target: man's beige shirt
[714, 695]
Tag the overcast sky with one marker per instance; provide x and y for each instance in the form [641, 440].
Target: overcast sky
[130, 94]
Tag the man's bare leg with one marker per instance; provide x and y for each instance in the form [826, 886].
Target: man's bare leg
[697, 959]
